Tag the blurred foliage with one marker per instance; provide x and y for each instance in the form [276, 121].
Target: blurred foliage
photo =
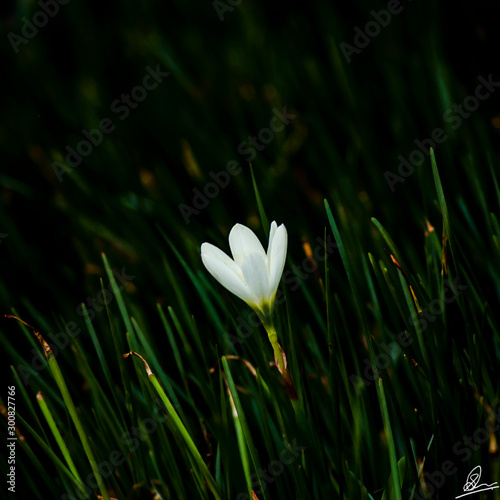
[227, 79]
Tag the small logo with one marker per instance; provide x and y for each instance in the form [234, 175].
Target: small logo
[472, 485]
[3, 236]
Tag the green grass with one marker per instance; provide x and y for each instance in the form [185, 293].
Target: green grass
[387, 310]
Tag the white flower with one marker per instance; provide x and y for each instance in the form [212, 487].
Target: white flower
[253, 275]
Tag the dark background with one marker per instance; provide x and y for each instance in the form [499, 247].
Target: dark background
[353, 120]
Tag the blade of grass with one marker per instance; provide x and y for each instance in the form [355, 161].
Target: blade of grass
[59, 439]
[59, 378]
[245, 441]
[262, 213]
[181, 429]
[390, 441]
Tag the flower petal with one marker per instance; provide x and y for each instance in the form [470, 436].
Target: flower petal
[277, 258]
[272, 232]
[255, 274]
[226, 272]
[243, 242]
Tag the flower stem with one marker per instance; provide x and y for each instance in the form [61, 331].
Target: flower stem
[280, 359]
[273, 338]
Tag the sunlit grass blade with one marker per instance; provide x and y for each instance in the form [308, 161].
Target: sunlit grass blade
[59, 379]
[117, 294]
[444, 210]
[182, 430]
[45, 446]
[390, 442]
[245, 443]
[59, 439]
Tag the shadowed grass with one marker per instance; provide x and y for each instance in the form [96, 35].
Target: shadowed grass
[388, 315]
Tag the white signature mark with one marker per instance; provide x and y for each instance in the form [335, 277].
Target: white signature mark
[471, 486]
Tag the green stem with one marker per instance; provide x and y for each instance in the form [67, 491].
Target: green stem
[273, 338]
[59, 439]
[278, 354]
[63, 388]
[182, 430]
[187, 438]
[76, 420]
